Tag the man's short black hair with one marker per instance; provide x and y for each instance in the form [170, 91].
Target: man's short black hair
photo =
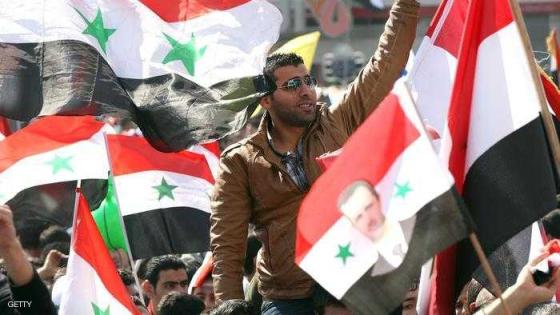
[180, 303]
[161, 263]
[551, 223]
[126, 277]
[276, 61]
[53, 233]
[233, 307]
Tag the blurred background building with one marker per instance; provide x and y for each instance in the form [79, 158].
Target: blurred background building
[353, 27]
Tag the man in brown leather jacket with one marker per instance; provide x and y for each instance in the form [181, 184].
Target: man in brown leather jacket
[263, 178]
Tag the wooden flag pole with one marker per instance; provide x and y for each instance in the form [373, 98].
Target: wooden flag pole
[472, 236]
[488, 270]
[549, 127]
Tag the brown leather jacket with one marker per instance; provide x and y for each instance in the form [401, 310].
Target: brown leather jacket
[253, 185]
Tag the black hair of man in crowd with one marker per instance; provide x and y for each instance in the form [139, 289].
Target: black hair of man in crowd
[176, 303]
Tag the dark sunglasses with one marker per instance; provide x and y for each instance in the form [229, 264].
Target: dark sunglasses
[295, 83]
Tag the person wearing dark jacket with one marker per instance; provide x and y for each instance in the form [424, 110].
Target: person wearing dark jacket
[28, 293]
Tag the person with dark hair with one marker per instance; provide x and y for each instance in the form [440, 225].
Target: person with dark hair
[25, 284]
[263, 178]
[177, 303]
[233, 307]
[29, 232]
[551, 224]
[53, 233]
[164, 274]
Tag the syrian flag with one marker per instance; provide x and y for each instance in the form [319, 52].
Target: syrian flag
[183, 71]
[51, 150]
[4, 128]
[164, 198]
[368, 223]
[93, 284]
[554, 50]
[492, 135]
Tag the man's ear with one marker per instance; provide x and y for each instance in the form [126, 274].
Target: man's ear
[148, 289]
[266, 101]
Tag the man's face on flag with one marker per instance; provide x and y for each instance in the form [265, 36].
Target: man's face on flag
[359, 202]
[295, 100]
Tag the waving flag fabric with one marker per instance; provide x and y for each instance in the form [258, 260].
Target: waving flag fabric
[52, 150]
[183, 71]
[371, 271]
[93, 284]
[492, 137]
[164, 198]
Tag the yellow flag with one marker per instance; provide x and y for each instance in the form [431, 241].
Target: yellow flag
[305, 46]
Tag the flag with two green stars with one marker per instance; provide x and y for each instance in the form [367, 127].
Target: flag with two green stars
[184, 71]
[382, 209]
[93, 285]
[164, 198]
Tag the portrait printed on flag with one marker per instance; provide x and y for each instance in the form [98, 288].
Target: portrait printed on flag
[360, 203]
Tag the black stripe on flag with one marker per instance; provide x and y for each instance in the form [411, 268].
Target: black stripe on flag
[439, 224]
[509, 187]
[69, 77]
[168, 231]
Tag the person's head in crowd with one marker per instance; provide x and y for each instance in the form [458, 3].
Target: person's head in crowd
[335, 307]
[233, 307]
[360, 203]
[466, 302]
[164, 274]
[120, 258]
[128, 279]
[253, 246]
[192, 263]
[293, 103]
[202, 284]
[551, 224]
[140, 269]
[28, 233]
[53, 233]
[180, 303]
[410, 299]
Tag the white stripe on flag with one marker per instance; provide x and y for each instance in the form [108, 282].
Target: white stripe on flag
[335, 275]
[502, 101]
[138, 46]
[84, 159]
[84, 287]
[136, 192]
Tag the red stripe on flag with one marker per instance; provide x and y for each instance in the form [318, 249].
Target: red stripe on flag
[449, 37]
[88, 244]
[484, 18]
[184, 10]
[46, 134]
[4, 127]
[552, 93]
[367, 155]
[437, 18]
[213, 147]
[134, 154]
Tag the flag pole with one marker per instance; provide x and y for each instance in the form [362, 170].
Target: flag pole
[128, 252]
[549, 127]
[472, 236]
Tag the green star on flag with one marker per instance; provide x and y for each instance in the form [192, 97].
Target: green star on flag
[344, 253]
[165, 190]
[96, 28]
[402, 190]
[187, 53]
[98, 311]
[60, 163]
